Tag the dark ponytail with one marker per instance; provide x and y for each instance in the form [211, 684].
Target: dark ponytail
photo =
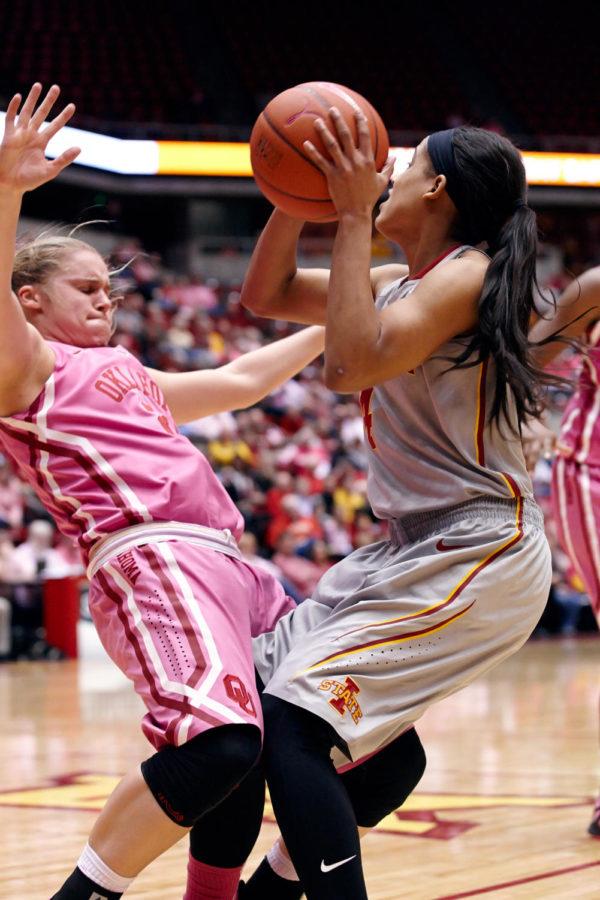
[492, 208]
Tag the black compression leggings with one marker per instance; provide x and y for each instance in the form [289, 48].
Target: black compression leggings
[225, 836]
[310, 802]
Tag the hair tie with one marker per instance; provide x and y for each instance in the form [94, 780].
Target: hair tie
[520, 204]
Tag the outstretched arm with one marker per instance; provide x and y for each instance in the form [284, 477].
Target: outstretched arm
[25, 359]
[241, 383]
[577, 307]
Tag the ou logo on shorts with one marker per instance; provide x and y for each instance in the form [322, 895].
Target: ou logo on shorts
[238, 692]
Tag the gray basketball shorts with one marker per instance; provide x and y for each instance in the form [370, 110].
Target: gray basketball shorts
[401, 624]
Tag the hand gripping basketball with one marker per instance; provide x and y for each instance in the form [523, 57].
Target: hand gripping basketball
[284, 169]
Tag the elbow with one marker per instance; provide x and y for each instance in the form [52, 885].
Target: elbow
[258, 306]
[251, 302]
[264, 299]
[260, 302]
[339, 378]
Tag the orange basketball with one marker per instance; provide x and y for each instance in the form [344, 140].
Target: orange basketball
[282, 170]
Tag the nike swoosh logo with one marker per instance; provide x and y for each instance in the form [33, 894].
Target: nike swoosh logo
[326, 868]
[442, 546]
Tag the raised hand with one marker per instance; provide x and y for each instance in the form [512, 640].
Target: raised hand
[354, 183]
[23, 163]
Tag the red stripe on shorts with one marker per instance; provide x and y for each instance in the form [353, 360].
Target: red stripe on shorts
[455, 593]
[183, 706]
[182, 615]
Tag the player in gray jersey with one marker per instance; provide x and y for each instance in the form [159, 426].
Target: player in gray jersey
[441, 361]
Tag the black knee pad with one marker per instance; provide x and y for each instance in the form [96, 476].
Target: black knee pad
[380, 785]
[189, 780]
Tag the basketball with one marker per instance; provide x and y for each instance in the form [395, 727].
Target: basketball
[282, 169]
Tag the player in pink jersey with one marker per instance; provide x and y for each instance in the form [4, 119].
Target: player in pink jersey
[576, 468]
[95, 434]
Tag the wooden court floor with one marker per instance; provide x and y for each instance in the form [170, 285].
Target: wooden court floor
[513, 766]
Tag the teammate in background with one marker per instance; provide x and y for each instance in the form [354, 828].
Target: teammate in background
[95, 435]
[443, 366]
[576, 468]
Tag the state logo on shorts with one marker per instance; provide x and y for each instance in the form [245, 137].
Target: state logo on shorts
[344, 697]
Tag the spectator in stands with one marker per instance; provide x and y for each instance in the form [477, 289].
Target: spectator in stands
[248, 545]
[228, 449]
[366, 530]
[36, 559]
[11, 496]
[68, 551]
[337, 533]
[23, 570]
[198, 294]
[7, 549]
[302, 528]
[302, 573]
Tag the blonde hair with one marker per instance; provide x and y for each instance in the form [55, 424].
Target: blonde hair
[38, 259]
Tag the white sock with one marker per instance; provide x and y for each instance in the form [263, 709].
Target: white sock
[91, 865]
[281, 863]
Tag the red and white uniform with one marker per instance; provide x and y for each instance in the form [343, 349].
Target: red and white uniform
[576, 474]
[100, 448]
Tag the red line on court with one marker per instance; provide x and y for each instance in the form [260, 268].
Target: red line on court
[505, 884]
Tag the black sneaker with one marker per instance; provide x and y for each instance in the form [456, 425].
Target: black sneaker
[594, 826]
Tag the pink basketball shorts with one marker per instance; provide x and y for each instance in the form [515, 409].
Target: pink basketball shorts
[178, 619]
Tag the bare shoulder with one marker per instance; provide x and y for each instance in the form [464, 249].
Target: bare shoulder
[382, 276]
[476, 256]
[464, 274]
[472, 266]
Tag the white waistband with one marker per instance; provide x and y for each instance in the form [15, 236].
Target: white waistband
[156, 532]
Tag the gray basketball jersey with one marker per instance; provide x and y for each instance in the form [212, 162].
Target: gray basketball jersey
[459, 586]
[428, 435]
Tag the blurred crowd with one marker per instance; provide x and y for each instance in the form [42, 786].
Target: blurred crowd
[294, 465]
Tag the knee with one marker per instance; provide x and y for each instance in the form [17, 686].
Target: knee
[237, 748]
[381, 785]
[406, 765]
[411, 755]
[189, 780]
[420, 760]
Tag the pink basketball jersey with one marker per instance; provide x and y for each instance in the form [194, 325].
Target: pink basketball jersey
[580, 428]
[101, 450]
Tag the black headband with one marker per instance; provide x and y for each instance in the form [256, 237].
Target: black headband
[441, 153]
[440, 148]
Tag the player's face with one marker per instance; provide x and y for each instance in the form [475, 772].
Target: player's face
[76, 303]
[405, 201]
